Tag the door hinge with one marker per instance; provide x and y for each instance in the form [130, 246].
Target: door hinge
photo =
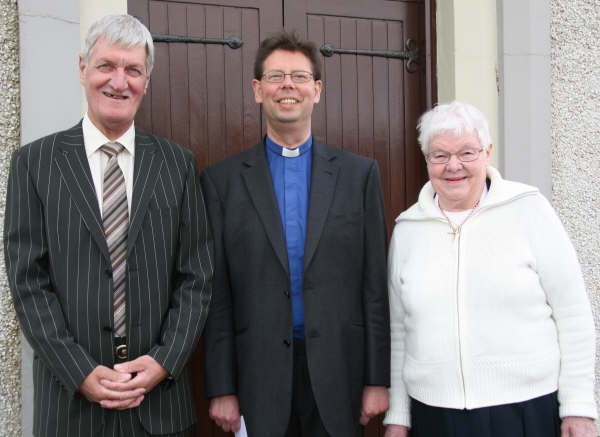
[234, 42]
[411, 55]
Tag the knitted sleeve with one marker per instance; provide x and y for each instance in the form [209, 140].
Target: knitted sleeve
[561, 278]
[399, 410]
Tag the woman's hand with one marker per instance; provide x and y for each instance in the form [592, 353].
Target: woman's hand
[574, 426]
[396, 431]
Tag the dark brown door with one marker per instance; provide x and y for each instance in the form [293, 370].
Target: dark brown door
[370, 104]
[200, 94]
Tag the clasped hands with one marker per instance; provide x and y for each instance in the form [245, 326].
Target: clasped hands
[125, 385]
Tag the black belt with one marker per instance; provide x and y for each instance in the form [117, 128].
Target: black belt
[121, 348]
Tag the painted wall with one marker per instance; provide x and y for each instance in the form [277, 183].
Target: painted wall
[467, 57]
[525, 96]
[49, 38]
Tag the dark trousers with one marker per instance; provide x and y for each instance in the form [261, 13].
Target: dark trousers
[305, 420]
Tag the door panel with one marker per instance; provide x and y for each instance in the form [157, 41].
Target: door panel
[370, 104]
[200, 95]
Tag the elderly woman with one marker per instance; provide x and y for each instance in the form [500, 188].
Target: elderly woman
[492, 332]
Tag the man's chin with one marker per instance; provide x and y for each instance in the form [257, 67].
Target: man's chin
[117, 118]
[113, 124]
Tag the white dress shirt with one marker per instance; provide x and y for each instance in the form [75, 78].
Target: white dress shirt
[93, 140]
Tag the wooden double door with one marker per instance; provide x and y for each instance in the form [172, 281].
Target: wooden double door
[200, 93]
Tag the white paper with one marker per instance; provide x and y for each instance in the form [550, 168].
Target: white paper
[242, 432]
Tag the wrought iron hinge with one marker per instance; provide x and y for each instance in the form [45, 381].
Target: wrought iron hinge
[411, 55]
[234, 42]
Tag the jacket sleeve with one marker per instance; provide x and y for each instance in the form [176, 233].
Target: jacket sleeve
[28, 267]
[192, 281]
[561, 278]
[219, 363]
[375, 296]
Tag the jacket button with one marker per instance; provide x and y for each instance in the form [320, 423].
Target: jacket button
[287, 293]
[108, 271]
[287, 342]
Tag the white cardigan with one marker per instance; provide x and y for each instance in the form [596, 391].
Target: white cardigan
[497, 315]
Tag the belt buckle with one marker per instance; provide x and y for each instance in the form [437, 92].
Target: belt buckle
[121, 351]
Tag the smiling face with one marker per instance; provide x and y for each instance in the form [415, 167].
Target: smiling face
[115, 82]
[458, 184]
[287, 105]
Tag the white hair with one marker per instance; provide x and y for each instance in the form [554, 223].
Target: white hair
[124, 30]
[457, 117]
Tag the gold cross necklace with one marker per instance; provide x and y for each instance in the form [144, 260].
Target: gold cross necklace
[456, 229]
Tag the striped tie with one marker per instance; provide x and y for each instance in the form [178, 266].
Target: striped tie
[115, 218]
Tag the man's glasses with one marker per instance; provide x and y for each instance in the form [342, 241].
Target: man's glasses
[276, 76]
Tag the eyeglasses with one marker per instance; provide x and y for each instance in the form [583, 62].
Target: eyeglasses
[276, 76]
[441, 157]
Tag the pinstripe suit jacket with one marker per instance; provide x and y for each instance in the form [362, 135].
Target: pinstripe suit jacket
[59, 273]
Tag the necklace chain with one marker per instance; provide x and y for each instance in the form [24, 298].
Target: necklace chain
[456, 229]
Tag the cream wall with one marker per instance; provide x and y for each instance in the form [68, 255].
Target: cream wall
[467, 57]
[525, 92]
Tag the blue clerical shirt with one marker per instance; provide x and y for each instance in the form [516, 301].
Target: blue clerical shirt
[290, 170]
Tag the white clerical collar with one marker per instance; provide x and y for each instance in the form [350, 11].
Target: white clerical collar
[278, 149]
[93, 138]
[290, 153]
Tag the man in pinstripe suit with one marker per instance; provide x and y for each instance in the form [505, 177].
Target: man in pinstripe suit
[71, 281]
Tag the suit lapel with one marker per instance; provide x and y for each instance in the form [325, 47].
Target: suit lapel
[257, 177]
[146, 167]
[74, 168]
[322, 187]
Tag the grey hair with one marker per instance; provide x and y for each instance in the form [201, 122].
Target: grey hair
[124, 30]
[457, 117]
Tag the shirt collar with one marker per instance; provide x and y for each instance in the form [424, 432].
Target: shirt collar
[93, 139]
[275, 148]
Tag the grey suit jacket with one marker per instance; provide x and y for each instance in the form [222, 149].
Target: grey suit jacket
[248, 348]
[61, 281]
